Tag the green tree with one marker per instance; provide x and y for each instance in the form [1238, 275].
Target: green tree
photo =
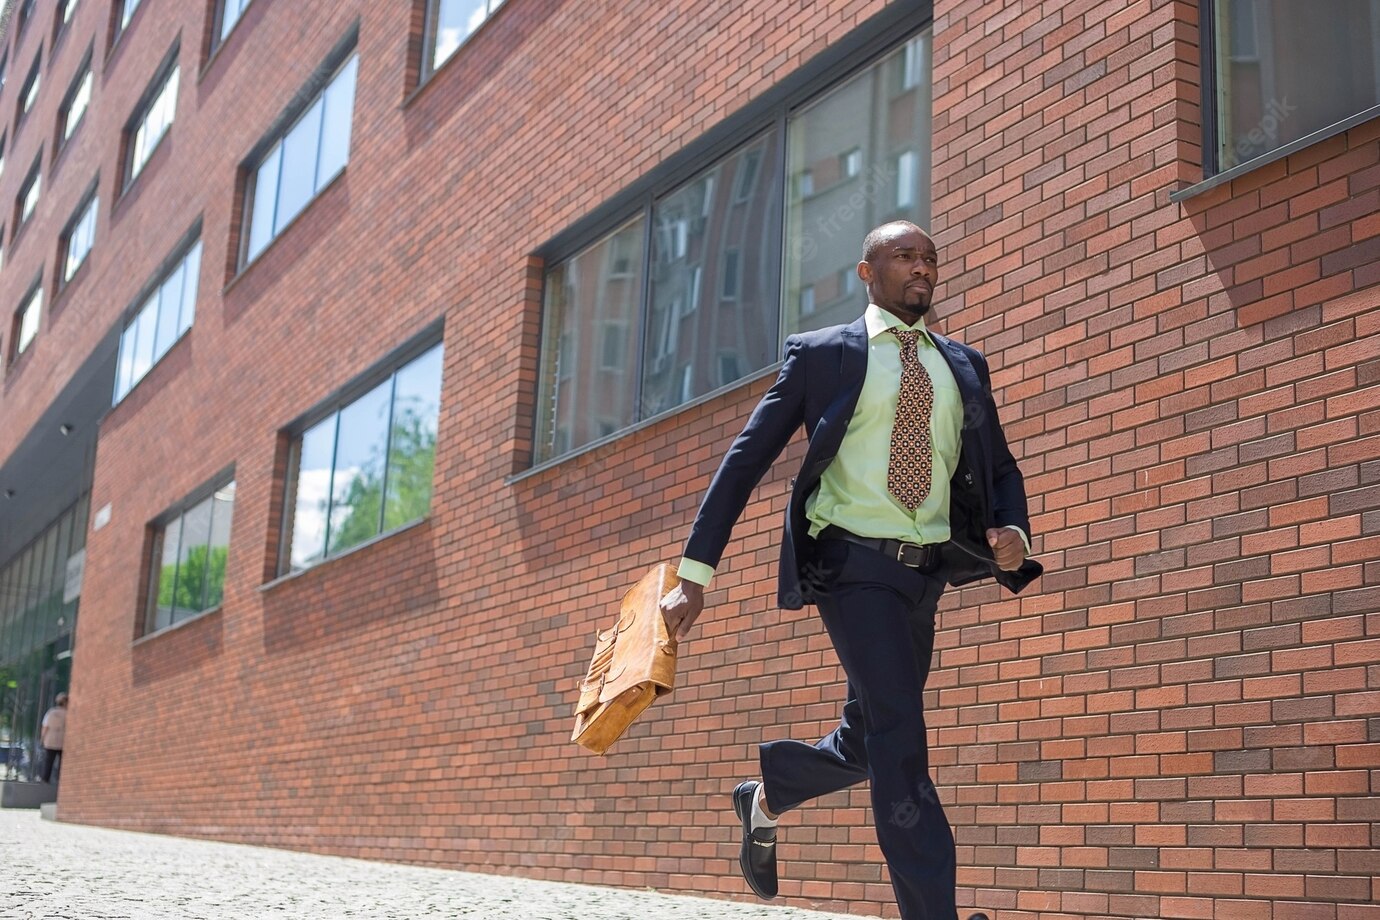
[197, 583]
[411, 459]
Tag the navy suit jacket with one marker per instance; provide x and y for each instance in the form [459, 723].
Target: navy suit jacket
[818, 387]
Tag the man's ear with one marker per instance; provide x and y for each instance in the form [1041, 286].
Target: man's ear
[865, 272]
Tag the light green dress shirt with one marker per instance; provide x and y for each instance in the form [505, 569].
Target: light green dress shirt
[852, 492]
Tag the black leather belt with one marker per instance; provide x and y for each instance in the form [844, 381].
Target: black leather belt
[924, 557]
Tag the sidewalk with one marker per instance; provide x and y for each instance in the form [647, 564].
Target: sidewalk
[54, 871]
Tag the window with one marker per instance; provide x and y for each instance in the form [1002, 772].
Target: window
[307, 155]
[152, 118]
[730, 285]
[127, 8]
[912, 65]
[851, 163]
[777, 263]
[888, 140]
[28, 91]
[729, 370]
[65, 9]
[26, 320]
[27, 199]
[79, 236]
[163, 315]
[1283, 71]
[450, 23]
[26, 13]
[747, 176]
[906, 166]
[615, 347]
[228, 13]
[188, 553]
[75, 102]
[366, 468]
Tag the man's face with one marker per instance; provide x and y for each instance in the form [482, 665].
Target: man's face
[902, 275]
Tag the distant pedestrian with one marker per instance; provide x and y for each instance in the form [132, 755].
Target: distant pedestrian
[51, 736]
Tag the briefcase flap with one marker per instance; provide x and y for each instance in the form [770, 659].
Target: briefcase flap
[634, 662]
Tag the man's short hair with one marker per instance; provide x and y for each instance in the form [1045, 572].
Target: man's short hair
[879, 236]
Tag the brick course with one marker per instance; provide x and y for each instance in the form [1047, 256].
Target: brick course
[1181, 720]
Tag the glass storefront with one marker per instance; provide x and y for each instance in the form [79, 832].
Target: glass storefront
[38, 610]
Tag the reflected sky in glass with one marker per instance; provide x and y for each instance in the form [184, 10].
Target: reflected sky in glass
[312, 494]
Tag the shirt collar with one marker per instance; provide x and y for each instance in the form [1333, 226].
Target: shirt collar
[879, 321]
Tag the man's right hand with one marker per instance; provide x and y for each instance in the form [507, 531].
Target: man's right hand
[681, 607]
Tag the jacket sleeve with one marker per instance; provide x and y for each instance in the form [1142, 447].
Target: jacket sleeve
[1009, 506]
[768, 431]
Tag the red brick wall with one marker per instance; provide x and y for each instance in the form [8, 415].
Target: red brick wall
[1180, 721]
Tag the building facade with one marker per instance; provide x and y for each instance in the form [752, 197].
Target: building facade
[357, 356]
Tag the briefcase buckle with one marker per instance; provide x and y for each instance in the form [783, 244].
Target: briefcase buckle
[912, 554]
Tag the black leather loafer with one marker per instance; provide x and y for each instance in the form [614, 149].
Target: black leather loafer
[978, 916]
[758, 855]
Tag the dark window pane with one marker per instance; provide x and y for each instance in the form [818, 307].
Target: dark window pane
[312, 493]
[190, 595]
[412, 441]
[357, 485]
[713, 278]
[1287, 69]
[581, 393]
[857, 157]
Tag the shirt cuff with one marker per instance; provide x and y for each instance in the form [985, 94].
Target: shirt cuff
[698, 572]
[1024, 538]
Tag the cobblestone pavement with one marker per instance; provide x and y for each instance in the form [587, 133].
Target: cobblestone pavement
[55, 871]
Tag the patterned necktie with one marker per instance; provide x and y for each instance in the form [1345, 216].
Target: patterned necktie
[908, 472]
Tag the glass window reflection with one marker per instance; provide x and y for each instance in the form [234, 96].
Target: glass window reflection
[856, 158]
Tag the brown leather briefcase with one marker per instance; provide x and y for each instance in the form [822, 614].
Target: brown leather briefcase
[634, 663]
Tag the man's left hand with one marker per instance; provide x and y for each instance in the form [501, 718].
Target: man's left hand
[1007, 547]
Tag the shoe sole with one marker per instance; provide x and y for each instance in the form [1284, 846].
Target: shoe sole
[742, 807]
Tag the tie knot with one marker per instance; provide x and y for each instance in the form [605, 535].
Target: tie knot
[909, 340]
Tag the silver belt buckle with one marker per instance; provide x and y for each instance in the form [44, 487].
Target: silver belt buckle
[905, 556]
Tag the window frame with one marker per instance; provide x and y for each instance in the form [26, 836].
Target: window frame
[1210, 94]
[156, 530]
[431, 11]
[32, 83]
[89, 199]
[218, 34]
[34, 176]
[866, 46]
[18, 347]
[119, 25]
[349, 394]
[24, 15]
[272, 140]
[142, 109]
[85, 71]
[59, 23]
[177, 255]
